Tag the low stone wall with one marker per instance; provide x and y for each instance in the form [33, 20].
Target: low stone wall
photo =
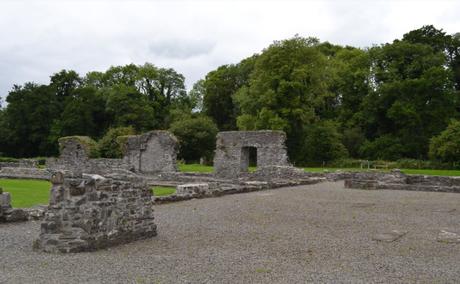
[93, 212]
[27, 173]
[214, 189]
[22, 163]
[399, 181]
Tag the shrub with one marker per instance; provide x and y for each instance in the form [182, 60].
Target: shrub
[383, 148]
[90, 145]
[323, 143]
[197, 137]
[110, 146]
[446, 146]
[8, 159]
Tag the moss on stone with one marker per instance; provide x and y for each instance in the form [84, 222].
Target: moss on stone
[122, 141]
[90, 145]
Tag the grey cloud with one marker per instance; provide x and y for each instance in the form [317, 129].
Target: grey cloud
[41, 37]
[180, 48]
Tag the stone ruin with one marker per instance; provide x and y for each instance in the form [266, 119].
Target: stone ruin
[150, 153]
[90, 212]
[233, 149]
[7, 212]
[396, 180]
[22, 168]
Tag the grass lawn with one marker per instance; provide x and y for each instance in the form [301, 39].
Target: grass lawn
[432, 172]
[406, 171]
[26, 193]
[195, 168]
[320, 170]
[163, 190]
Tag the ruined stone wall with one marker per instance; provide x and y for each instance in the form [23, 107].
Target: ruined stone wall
[30, 173]
[399, 181]
[93, 212]
[152, 152]
[232, 151]
[22, 163]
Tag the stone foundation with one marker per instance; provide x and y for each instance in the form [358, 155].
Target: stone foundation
[399, 181]
[28, 173]
[92, 212]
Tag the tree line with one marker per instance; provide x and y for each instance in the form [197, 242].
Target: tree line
[388, 101]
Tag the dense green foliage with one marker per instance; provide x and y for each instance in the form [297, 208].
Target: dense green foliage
[446, 146]
[383, 102]
[197, 138]
[109, 145]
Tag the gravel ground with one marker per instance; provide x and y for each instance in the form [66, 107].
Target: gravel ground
[315, 233]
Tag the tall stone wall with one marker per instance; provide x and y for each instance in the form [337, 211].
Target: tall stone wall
[152, 152]
[93, 212]
[232, 151]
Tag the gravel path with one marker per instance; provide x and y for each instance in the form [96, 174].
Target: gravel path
[316, 233]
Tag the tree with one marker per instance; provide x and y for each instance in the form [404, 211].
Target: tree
[220, 87]
[197, 137]
[196, 96]
[412, 97]
[109, 146]
[386, 147]
[323, 144]
[288, 85]
[446, 146]
[28, 117]
[127, 107]
[83, 114]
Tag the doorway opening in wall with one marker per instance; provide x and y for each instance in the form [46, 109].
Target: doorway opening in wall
[248, 159]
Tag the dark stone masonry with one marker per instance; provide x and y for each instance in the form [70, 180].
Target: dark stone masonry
[92, 212]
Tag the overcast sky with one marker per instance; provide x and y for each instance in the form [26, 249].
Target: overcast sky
[40, 37]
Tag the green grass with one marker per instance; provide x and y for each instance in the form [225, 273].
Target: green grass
[163, 190]
[26, 193]
[432, 172]
[320, 170]
[195, 168]
[406, 171]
